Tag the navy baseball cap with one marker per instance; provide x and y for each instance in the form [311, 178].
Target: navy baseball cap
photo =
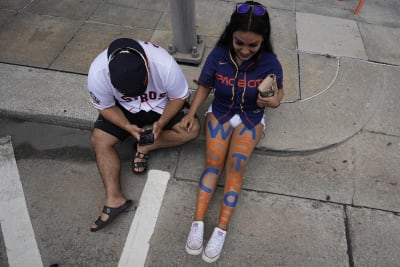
[128, 67]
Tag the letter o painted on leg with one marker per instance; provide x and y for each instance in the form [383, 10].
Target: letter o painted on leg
[235, 199]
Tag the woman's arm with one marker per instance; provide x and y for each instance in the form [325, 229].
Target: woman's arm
[200, 96]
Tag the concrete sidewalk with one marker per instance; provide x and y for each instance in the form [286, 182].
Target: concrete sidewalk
[330, 149]
[346, 72]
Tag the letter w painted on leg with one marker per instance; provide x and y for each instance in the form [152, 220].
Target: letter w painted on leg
[218, 128]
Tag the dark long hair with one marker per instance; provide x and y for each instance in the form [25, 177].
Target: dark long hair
[247, 22]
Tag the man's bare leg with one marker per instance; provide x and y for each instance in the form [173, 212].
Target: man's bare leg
[109, 166]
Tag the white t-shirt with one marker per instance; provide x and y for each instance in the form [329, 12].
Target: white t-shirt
[166, 81]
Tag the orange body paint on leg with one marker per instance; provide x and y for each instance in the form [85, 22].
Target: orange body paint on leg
[234, 177]
[216, 151]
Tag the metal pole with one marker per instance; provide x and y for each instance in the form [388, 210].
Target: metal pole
[187, 46]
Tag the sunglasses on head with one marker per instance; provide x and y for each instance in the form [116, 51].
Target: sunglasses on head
[244, 8]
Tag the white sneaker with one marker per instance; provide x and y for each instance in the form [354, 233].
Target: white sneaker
[194, 244]
[214, 246]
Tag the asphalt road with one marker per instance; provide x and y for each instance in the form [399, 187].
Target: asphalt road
[336, 207]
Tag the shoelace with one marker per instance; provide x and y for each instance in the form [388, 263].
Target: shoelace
[195, 234]
[215, 244]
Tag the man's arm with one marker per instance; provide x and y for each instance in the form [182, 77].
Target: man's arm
[171, 109]
[117, 117]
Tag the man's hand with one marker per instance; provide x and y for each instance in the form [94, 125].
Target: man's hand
[157, 129]
[134, 131]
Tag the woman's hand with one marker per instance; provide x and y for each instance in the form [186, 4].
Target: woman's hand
[271, 101]
[188, 121]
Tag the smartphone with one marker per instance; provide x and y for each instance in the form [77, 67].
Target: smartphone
[146, 137]
[266, 87]
[268, 93]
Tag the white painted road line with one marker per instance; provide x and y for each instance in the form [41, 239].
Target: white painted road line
[137, 243]
[19, 238]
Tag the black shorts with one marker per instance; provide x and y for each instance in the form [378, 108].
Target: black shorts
[140, 119]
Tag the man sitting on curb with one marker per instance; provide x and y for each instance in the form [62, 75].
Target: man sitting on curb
[134, 85]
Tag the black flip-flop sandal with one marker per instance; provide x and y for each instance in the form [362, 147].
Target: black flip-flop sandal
[141, 164]
[112, 214]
